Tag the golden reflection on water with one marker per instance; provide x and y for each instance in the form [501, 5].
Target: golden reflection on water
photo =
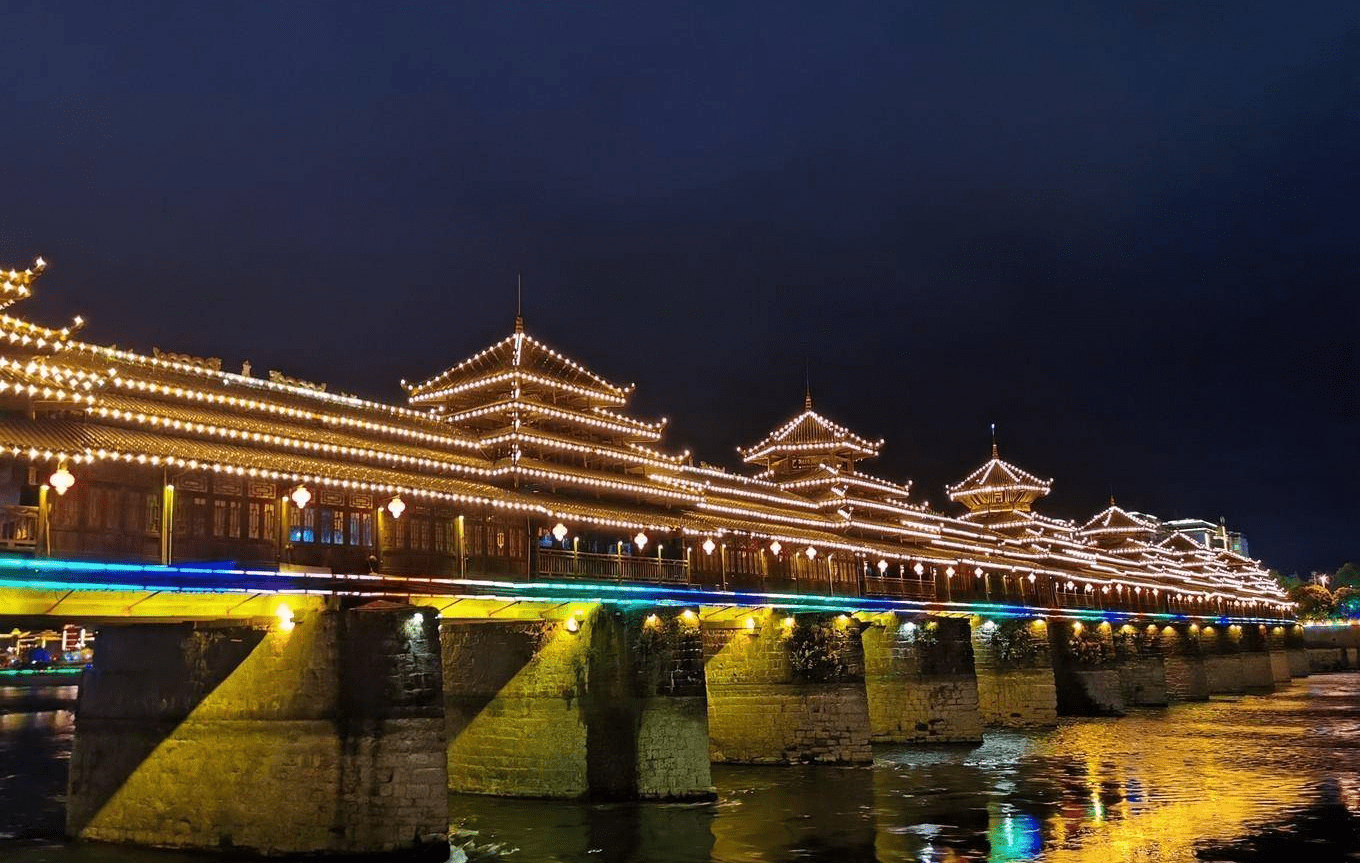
[1153, 786]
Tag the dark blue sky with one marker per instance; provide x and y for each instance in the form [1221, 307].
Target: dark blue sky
[1127, 235]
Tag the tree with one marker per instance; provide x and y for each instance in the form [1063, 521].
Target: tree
[1313, 600]
[1346, 602]
[1347, 576]
[1288, 582]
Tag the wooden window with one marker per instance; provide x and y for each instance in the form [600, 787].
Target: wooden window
[199, 517]
[255, 518]
[270, 527]
[219, 518]
[302, 524]
[153, 513]
[361, 528]
[332, 523]
[443, 536]
[234, 519]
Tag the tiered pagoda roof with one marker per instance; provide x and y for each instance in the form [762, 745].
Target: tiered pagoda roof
[1113, 527]
[998, 491]
[807, 442]
[521, 428]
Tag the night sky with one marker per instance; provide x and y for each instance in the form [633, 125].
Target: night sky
[1128, 236]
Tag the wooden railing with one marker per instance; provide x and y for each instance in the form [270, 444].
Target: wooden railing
[18, 528]
[906, 588]
[553, 563]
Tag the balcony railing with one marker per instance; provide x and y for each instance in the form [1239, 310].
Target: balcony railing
[906, 588]
[553, 563]
[18, 528]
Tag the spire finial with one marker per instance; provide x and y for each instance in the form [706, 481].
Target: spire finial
[807, 386]
[519, 302]
[994, 452]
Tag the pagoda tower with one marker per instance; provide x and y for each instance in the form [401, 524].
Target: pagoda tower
[806, 444]
[999, 494]
[549, 421]
[1116, 529]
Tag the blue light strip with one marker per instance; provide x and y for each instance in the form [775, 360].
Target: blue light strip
[38, 574]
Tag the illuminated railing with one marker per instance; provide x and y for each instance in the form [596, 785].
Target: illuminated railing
[610, 567]
[18, 527]
[907, 588]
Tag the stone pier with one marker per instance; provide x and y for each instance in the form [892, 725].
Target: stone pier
[1279, 654]
[1223, 659]
[325, 737]
[1014, 667]
[1183, 659]
[1331, 647]
[1141, 666]
[1084, 670]
[1296, 650]
[607, 705]
[785, 689]
[920, 681]
[1258, 673]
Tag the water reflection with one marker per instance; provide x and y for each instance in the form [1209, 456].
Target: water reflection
[1256, 778]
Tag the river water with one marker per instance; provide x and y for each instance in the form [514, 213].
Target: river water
[1256, 778]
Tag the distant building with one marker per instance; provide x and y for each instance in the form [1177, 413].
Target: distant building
[1206, 533]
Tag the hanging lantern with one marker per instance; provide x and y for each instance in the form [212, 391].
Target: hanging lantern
[396, 506]
[882, 567]
[61, 479]
[301, 497]
[708, 546]
[949, 572]
[775, 548]
[810, 552]
[919, 568]
[640, 540]
[559, 531]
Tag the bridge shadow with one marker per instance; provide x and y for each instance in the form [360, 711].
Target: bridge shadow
[143, 685]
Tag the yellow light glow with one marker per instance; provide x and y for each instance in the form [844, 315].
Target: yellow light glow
[61, 480]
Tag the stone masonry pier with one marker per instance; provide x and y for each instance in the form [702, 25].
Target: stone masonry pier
[323, 738]
[1183, 660]
[920, 681]
[608, 704]
[787, 689]
[1014, 667]
[1088, 682]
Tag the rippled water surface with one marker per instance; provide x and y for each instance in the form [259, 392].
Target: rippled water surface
[1257, 778]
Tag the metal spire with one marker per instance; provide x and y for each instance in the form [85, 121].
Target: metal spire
[807, 385]
[519, 302]
[994, 452]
